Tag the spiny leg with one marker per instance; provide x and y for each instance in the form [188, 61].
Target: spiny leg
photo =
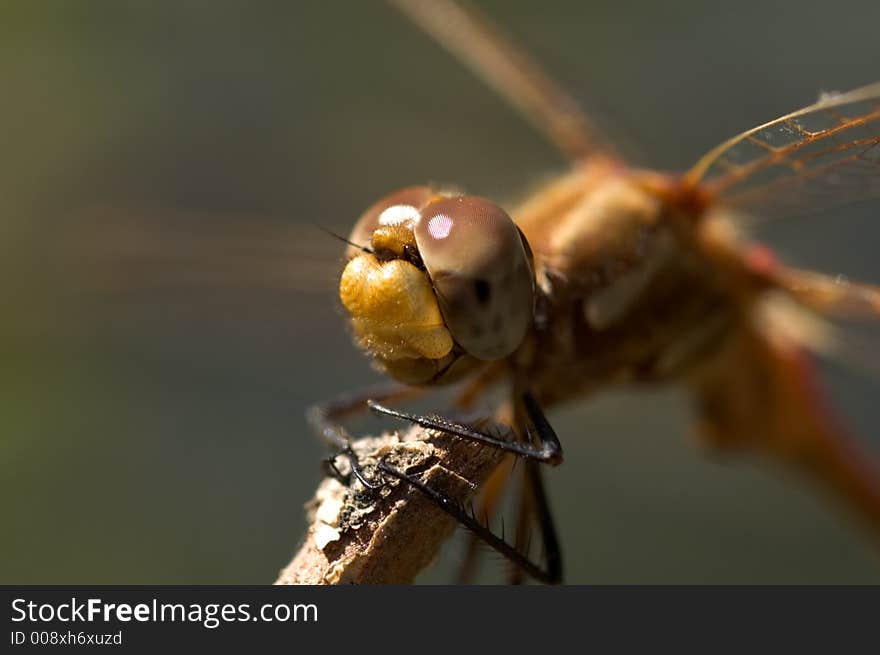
[541, 445]
[489, 498]
[458, 512]
[534, 426]
[524, 516]
[548, 450]
[552, 550]
[534, 497]
[324, 420]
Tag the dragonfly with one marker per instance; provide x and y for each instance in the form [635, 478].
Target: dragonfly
[612, 275]
[608, 275]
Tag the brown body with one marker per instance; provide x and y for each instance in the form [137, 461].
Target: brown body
[627, 290]
[638, 283]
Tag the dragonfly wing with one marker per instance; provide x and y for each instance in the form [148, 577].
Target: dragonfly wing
[822, 156]
[761, 393]
[493, 57]
[117, 267]
[121, 250]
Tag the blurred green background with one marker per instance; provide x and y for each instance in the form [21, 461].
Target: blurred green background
[151, 414]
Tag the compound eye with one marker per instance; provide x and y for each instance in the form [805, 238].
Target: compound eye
[400, 207]
[478, 265]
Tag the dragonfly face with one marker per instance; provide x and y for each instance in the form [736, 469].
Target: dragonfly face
[436, 284]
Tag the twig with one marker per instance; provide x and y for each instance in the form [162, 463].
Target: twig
[390, 535]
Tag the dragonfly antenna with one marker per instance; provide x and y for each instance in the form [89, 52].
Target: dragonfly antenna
[342, 238]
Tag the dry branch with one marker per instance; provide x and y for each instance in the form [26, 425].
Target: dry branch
[389, 536]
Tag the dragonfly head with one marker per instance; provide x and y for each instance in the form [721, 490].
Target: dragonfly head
[439, 284]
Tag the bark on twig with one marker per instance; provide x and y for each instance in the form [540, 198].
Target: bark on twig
[389, 536]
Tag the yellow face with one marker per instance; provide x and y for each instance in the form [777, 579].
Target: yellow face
[436, 284]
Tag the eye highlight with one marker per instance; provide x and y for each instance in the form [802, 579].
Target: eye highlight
[481, 272]
[398, 208]
[439, 226]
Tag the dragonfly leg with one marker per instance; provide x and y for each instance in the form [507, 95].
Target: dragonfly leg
[486, 505]
[325, 421]
[548, 450]
[524, 526]
[550, 574]
[325, 417]
[540, 445]
[541, 508]
[532, 423]
[332, 470]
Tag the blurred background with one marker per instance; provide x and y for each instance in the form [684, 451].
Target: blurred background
[168, 307]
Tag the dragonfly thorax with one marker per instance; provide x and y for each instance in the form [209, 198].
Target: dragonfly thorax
[437, 283]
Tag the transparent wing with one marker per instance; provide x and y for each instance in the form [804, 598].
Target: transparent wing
[493, 57]
[822, 156]
[131, 271]
[842, 325]
[124, 251]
